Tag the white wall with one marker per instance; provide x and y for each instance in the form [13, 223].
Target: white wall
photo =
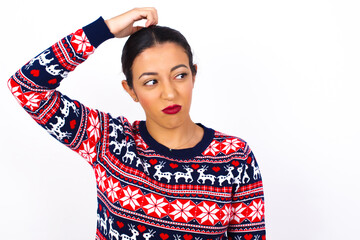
[283, 75]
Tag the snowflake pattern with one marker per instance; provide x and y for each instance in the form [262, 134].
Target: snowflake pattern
[113, 189]
[257, 209]
[155, 205]
[87, 151]
[238, 214]
[209, 213]
[100, 175]
[213, 149]
[81, 43]
[94, 126]
[32, 100]
[231, 145]
[131, 198]
[182, 210]
[226, 214]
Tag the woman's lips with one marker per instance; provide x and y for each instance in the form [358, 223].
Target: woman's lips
[173, 109]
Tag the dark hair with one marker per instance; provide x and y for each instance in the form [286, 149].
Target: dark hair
[146, 38]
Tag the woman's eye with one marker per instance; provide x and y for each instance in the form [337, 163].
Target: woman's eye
[181, 76]
[150, 82]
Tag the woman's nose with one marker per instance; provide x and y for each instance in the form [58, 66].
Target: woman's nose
[168, 91]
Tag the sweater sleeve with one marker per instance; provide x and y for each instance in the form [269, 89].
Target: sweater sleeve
[33, 86]
[247, 219]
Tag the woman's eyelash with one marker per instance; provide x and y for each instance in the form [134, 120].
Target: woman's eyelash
[152, 81]
[183, 74]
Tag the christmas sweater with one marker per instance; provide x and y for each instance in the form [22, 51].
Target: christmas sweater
[144, 190]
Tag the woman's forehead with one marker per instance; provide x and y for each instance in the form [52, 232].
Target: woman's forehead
[162, 56]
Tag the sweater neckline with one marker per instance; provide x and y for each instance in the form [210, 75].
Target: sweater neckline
[185, 153]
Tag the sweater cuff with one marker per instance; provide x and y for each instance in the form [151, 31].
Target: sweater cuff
[97, 32]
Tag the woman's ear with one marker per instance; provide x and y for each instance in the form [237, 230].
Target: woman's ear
[194, 75]
[129, 90]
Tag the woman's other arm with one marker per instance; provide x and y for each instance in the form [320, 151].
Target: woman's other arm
[248, 211]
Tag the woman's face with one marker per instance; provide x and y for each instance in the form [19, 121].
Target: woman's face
[163, 84]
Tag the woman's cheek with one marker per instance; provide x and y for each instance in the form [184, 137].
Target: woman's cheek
[147, 101]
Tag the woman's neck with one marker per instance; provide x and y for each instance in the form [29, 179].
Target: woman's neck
[185, 135]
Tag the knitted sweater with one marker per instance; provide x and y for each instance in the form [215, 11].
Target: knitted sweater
[144, 190]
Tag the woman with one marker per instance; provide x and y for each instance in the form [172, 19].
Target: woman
[163, 178]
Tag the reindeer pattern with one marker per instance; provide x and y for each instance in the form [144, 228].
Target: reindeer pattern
[44, 61]
[204, 175]
[126, 150]
[55, 128]
[233, 175]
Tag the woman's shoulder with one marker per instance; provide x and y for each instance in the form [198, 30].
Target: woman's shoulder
[119, 123]
[229, 138]
[118, 120]
[225, 144]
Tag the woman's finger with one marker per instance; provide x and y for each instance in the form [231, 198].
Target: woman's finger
[122, 25]
[150, 14]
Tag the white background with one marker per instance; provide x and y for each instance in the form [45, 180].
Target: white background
[283, 75]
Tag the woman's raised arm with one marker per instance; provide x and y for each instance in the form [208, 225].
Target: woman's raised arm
[33, 85]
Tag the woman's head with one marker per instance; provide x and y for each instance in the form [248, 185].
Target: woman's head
[147, 38]
[157, 62]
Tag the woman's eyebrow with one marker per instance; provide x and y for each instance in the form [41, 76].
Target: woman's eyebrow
[178, 66]
[155, 73]
[148, 73]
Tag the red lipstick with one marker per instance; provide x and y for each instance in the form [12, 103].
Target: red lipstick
[173, 109]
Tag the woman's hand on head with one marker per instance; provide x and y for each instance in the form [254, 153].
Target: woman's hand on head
[123, 25]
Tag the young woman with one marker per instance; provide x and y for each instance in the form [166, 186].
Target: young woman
[163, 178]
